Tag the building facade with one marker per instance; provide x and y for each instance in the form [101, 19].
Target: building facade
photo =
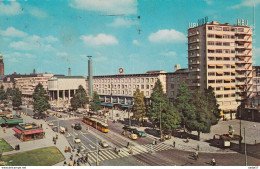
[62, 88]
[27, 84]
[220, 56]
[256, 81]
[120, 88]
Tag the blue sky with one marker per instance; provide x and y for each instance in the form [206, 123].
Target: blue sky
[52, 35]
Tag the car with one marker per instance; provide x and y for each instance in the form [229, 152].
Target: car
[77, 140]
[126, 128]
[51, 124]
[141, 133]
[133, 136]
[77, 126]
[133, 130]
[103, 144]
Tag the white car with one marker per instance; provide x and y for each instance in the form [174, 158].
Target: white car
[51, 124]
[133, 136]
[77, 140]
[103, 144]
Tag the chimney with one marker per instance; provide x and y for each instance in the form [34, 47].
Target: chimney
[69, 72]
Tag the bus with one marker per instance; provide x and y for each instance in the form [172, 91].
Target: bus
[99, 125]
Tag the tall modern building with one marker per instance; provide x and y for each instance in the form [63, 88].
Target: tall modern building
[220, 56]
[2, 65]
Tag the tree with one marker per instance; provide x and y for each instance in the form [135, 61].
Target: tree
[212, 105]
[170, 118]
[40, 100]
[3, 95]
[96, 105]
[9, 92]
[139, 105]
[203, 120]
[158, 100]
[184, 105]
[79, 99]
[16, 98]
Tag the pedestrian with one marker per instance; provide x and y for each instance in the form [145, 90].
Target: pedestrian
[86, 157]
[213, 162]
[55, 142]
[4, 129]
[71, 157]
[69, 149]
[198, 147]
[174, 143]
[128, 144]
[65, 163]
[74, 162]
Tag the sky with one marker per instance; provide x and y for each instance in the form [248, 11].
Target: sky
[136, 35]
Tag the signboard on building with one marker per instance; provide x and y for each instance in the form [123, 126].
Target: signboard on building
[201, 21]
[242, 22]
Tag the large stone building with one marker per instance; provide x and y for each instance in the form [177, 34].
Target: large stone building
[62, 88]
[120, 88]
[220, 55]
[27, 84]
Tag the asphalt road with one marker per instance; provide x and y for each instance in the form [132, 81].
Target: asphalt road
[160, 155]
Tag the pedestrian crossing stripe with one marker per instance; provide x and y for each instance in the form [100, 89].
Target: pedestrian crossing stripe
[110, 154]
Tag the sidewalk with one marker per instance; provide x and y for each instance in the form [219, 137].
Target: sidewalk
[35, 144]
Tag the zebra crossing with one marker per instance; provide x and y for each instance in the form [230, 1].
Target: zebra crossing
[109, 154]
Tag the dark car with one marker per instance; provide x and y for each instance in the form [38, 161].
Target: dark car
[77, 126]
[126, 128]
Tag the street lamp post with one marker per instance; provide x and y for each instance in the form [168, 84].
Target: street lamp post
[160, 122]
[240, 138]
[245, 146]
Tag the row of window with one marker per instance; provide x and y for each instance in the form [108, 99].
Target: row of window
[212, 58]
[219, 36]
[226, 51]
[128, 80]
[219, 28]
[227, 103]
[221, 73]
[108, 92]
[220, 66]
[123, 86]
[222, 81]
[225, 95]
[221, 43]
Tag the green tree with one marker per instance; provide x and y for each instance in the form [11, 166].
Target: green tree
[40, 100]
[96, 105]
[170, 118]
[184, 105]
[79, 99]
[202, 121]
[158, 100]
[16, 98]
[9, 92]
[139, 106]
[3, 95]
[212, 105]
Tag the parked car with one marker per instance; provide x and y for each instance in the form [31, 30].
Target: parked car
[126, 128]
[77, 140]
[140, 133]
[133, 136]
[103, 144]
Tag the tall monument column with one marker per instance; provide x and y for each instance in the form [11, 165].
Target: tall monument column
[90, 76]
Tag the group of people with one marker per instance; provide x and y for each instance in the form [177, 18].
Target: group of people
[76, 162]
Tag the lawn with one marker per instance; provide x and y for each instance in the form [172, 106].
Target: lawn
[5, 146]
[47, 156]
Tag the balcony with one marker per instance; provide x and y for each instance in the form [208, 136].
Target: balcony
[194, 41]
[194, 48]
[196, 62]
[193, 33]
[195, 70]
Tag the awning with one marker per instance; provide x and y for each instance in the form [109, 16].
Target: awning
[17, 130]
[221, 113]
[2, 121]
[233, 87]
[211, 65]
[107, 104]
[227, 87]
[33, 131]
[219, 34]
[233, 72]
[233, 65]
[14, 121]
[228, 80]
[127, 106]
[220, 65]
[220, 73]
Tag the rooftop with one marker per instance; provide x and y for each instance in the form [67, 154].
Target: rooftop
[28, 126]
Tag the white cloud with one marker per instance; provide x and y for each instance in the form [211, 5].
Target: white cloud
[170, 53]
[167, 36]
[37, 12]
[99, 40]
[136, 42]
[125, 7]
[246, 3]
[12, 8]
[121, 22]
[100, 59]
[12, 32]
[34, 43]
[62, 54]
[13, 60]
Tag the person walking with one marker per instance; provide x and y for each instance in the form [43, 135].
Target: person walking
[213, 162]
[173, 143]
